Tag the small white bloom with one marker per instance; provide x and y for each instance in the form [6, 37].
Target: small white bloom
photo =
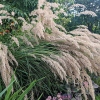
[0, 21]
[12, 13]
[1, 6]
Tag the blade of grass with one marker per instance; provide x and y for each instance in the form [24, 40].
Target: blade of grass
[27, 90]
[7, 96]
[15, 95]
[40, 97]
[11, 84]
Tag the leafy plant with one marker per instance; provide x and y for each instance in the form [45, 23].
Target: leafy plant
[9, 95]
[23, 5]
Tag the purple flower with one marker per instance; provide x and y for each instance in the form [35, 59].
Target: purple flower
[64, 96]
[49, 98]
[58, 95]
[69, 96]
[54, 98]
[60, 99]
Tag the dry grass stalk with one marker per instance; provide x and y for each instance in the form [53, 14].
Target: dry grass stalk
[5, 68]
[16, 41]
[26, 41]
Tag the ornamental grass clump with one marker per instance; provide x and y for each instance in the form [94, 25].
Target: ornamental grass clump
[79, 52]
[62, 56]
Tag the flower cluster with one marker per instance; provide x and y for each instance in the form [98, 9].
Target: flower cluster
[60, 97]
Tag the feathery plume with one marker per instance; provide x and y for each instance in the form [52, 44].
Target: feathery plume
[16, 41]
[5, 68]
[91, 13]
